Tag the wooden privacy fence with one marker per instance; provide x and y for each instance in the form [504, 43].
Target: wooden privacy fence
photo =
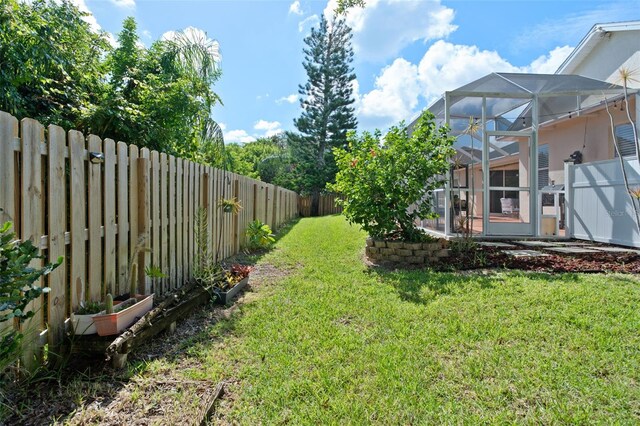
[326, 206]
[93, 202]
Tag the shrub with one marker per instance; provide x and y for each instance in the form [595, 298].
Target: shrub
[18, 287]
[380, 178]
[260, 235]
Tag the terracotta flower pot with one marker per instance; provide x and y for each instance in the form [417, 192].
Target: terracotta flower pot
[115, 323]
[83, 323]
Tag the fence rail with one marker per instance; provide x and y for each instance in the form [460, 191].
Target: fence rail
[326, 206]
[94, 201]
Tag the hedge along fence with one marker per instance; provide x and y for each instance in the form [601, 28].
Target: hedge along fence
[95, 214]
[326, 206]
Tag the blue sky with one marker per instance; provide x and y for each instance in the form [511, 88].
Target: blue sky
[407, 52]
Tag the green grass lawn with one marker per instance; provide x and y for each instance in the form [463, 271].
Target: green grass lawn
[334, 342]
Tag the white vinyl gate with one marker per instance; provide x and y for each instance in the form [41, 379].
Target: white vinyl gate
[598, 205]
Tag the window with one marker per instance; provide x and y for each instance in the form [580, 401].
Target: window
[625, 140]
[543, 173]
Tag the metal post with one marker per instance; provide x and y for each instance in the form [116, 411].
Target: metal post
[486, 210]
[533, 163]
[568, 199]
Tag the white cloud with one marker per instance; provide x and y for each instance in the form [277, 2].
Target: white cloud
[264, 129]
[446, 66]
[270, 128]
[295, 8]
[548, 64]
[402, 86]
[238, 136]
[291, 99]
[308, 22]
[125, 4]
[396, 92]
[384, 27]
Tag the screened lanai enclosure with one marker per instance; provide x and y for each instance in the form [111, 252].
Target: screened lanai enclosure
[503, 181]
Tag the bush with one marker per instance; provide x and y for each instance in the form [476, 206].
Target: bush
[381, 177]
[260, 235]
[18, 287]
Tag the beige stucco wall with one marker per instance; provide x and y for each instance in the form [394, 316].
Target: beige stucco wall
[589, 133]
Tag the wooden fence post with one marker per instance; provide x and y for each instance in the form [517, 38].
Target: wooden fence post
[236, 221]
[143, 219]
[57, 218]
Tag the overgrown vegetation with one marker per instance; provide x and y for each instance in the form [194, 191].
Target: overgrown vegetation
[58, 70]
[380, 178]
[18, 286]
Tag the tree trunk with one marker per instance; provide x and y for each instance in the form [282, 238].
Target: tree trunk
[315, 203]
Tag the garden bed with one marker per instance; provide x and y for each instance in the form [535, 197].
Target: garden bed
[493, 257]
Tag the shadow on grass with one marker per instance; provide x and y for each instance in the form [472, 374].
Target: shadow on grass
[423, 286]
[247, 257]
[56, 393]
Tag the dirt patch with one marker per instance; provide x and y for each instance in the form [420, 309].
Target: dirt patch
[94, 393]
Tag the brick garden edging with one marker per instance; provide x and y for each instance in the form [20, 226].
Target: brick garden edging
[403, 252]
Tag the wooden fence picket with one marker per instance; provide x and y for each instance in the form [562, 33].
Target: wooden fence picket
[110, 228]
[79, 292]
[57, 224]
[96, 202]
[123, 218]
[32, 221]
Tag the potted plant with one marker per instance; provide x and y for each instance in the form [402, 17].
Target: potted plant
[116, 318]
[230, 205]
[235, 279]
[120, 312]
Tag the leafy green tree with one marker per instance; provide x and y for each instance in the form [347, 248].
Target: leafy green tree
[265, 159]
[161, 98]
[50, 61]
[345, 5]
[56, 69]
[381, 178]
[326, 101]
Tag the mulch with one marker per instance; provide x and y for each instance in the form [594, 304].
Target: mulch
[491, 257]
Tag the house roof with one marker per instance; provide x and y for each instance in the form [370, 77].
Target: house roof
[597, 34]
[510, 93]
[508, 98]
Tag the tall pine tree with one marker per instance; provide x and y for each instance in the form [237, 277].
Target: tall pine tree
[326, 101]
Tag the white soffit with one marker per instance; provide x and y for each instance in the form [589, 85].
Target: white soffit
[591, 40]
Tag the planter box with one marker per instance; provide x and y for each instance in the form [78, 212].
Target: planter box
[83, 324]
[115, 323]
[225, 297]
